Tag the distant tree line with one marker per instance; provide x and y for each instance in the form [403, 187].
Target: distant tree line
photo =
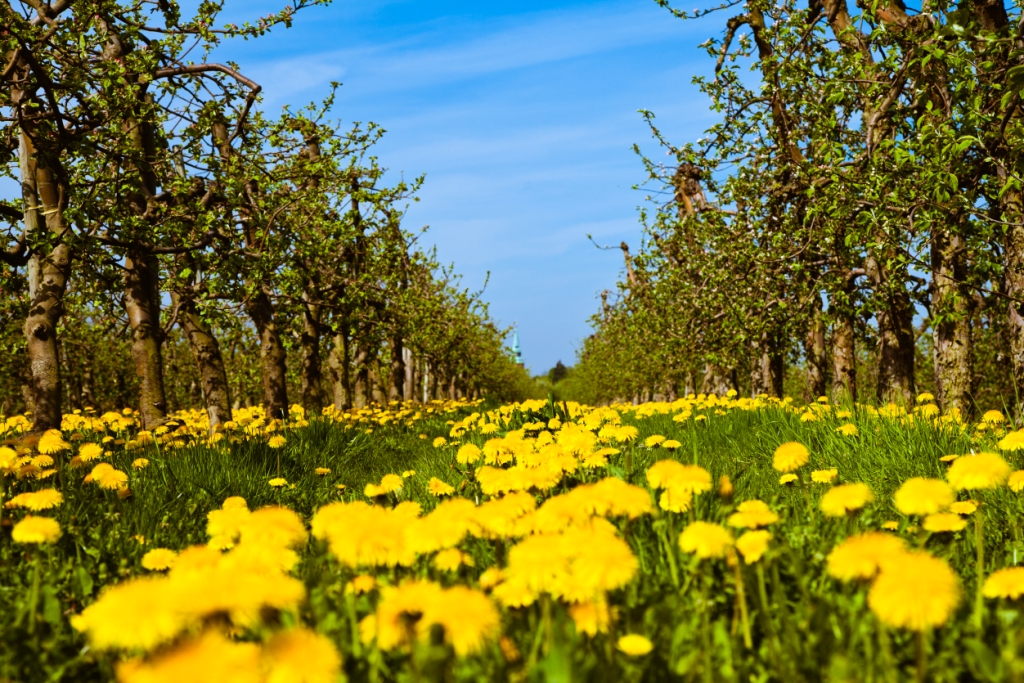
[856, 211]
[172, 246]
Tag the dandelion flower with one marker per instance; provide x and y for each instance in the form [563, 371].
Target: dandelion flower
[923, 496]
[753, 544]
[468, 454]
[981, 471]
[790, 457]
[364, 583]
[278, 482]
[322, 471]
[1005, 583]
[140, 463]
[938, 522]
[451, 559]
[107, 477]
[159, 559]
[670, 444]
[439, 441]
[277, 441]
[725, 487]
[705, 539]
[1013, 441]
[848, 429]
[52, 442]
[1016, 481]
[787, 478]
[925, 397]
[44, 499]
[391, 483]
[300, 655]
[90, 451]
[439, 488]
[859, 557]
[634, 645]
[824, 476]
[915, 591]
[964, 507]
[845, 498]
[752, 514]
[37, 530]
[653, 440]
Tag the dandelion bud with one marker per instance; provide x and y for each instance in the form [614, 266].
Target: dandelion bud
[725, 488]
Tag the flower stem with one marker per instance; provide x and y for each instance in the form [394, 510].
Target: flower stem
[741, 598]
[922, 658]
[979, 598]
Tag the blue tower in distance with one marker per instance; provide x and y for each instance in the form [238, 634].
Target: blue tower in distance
[517, 352]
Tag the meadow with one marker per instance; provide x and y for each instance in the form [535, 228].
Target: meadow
[707, 539]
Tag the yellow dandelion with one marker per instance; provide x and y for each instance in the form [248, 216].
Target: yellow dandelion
[634, 645]
[859, 557]
[140, 463]
[322, 471]
[1005, 583]
[787, 478]
[670, 444]
[159, 559]
[278, 482]
[44, 499]
[300, 655]
[915, 591]
[653, 440]
[1016, 481]
[52, 442]
[439, 441]
[706, 540]
[923, 496]
[753, 545]
[790, 457]
[1013, 441]
[438, 488]
[938, 522]
[36, 530]
[981, 471]
[751, 514]
[468, 454]
[964, 507]
[846, 498]
[277, 441]
[848, 429]
[824, 476]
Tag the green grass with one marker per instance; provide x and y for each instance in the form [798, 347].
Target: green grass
[812, 627]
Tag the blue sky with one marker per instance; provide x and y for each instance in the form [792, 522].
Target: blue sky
[521, 115]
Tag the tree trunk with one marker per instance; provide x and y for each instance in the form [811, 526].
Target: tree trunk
[142, 304]
[1013, 268]
[844, 365]
[312, 375]
[718, 380]
[769, 368]
[340, 370]
[396, 388]
[47, 282]
[815, 354]
[361, 388]
[209, 361]
[272, 356]
[951, 312]
[895, 317]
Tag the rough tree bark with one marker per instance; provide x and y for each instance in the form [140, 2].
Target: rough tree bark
[206, 352]
[951, 312]
[896, 336]
[309, 341]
